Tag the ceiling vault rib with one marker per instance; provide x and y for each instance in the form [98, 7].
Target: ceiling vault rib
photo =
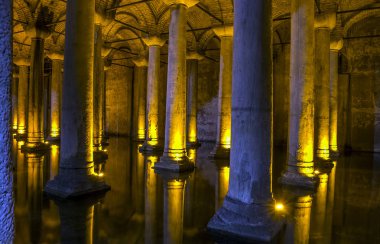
[131, 26]
[127, 4]
[210, 14]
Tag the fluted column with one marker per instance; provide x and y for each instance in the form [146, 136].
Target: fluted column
[14, 100]
[35, 134]
[192, 98]
[335, 46]
[56, 96]
[323, 24]
[300, 162]
[174, 157]
[248, 208]
[153, 142]
[223, 132]
[140, 82]
[7, 226]
[76, 171]
[22, 103]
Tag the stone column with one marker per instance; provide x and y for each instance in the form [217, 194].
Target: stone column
[14, 101]
[300, 162]
[22, 102]
[153, 142]
[223, 132]
[35, 140]
[76, 171]
[100, 52]
[192, 98]
[7, 227]
[140, 82]
[174, 157]
[248, 208]
[323, 24]
[56, 96]
[335, 46]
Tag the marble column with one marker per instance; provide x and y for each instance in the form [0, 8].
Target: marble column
[153, 142]
[76, 171]
[55, 96]
[22, 103]
[7, 227]
[14, 101]
[140, 83]
[323, 24]
[192, 98]
[300, 162]
[174, 157]
[335, 46]
[248, 208]
[100, 52]
[35, 140]
[223, 132]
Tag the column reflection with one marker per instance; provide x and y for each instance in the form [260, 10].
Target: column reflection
[221, 184]
[318, 213]
[330, 205]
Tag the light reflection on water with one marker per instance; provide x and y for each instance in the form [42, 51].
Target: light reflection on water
[145, 207]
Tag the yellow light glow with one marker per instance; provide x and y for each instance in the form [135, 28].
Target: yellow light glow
[21, 131]
[226, 139]
[177, 156]
[46, 142]
[316, 172]
[279, 207]
[14, 127]
[101, 174]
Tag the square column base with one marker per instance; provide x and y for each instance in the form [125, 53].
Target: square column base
[220, 153]
[35, 147]
[75, 185]
[296, 179]
[171, 164]
[246, 222]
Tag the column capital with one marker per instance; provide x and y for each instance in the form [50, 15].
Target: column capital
[187, 3]
[153, 41]
[36, 32]
[193, 55]
[224, 31]
[21, 61]
[140, 61]
[325, 20]
[105, 51]
[336, 45]
[102, 19]
[56, 56]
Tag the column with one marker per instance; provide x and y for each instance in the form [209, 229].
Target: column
[300, 162]
[248, 208]
[335, 46]
[7, 227]
[14, 101]
[35, 140]
[56, 96]
[318, 212]
[100, 52]
[153, 142]
[174, 157]
[140, 81]
[192, 98]
[76, 171]
[323, 24]
[223, 131]
[22, 103]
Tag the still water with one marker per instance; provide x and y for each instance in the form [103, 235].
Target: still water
[144, 207]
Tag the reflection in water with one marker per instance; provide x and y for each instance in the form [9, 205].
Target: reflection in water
[173, 210]
[298, 220]
[319, 211]
[345, 212]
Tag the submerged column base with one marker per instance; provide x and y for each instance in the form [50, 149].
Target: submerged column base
[246, 222]
[219, 152]
[174, 164]
[72, 183]
[297, 179]
[31, 147]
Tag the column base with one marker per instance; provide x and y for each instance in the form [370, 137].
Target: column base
[175, 165]
[147, 149]
[324, 166]
[246, 222]
[299, 180]
[219, 153]
[100, 156]
[193, 145]
[20, 137]
[54, 140]
[334, 154]
[72, 185]
[136, 139]
[34, 147]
